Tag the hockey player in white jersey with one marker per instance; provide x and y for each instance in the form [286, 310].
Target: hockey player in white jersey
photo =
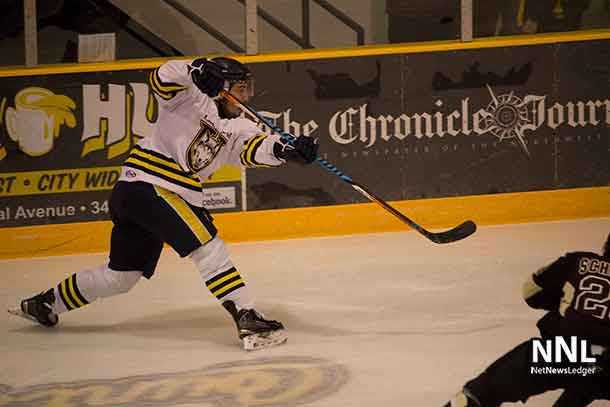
[158, 198]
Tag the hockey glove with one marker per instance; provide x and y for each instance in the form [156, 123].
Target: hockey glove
[303, 150]
[207, 76]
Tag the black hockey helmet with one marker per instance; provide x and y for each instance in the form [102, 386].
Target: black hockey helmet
[235, 72]
[606, 252]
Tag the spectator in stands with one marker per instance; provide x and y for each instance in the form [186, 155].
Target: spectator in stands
[550, 15]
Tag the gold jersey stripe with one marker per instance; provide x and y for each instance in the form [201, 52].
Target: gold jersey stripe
[186, 213]
[160, 160]
[247, 156]
[252, 148]
[243, 155]
[164, 172]
[242, 159]
[154, 87]
[167, 87]
[227, 287]
[165, 91]
[252, 143]
[222, 280]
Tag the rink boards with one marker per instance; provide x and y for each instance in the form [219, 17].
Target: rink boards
[498, 130]
[332, 220]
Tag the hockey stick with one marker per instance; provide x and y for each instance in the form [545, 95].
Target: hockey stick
[457, 233]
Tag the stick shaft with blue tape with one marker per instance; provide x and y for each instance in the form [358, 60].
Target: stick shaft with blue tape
[459, 232]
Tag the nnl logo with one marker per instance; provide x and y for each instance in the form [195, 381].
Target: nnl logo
[553, 350]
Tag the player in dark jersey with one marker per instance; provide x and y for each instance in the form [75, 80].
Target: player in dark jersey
[575, 290]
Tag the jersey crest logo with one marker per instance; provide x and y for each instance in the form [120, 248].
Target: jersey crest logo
[204, 147]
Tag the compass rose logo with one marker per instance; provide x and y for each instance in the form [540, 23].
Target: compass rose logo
[507, 117]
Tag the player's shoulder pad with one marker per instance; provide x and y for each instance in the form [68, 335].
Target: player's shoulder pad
[165, 80]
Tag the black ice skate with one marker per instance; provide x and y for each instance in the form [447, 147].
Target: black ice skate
[38, 309]
[254, 330]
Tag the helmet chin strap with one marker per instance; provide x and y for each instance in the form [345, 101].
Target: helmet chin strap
[223, 109]
[223, 103]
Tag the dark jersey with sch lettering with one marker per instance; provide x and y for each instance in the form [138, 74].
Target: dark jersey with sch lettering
[576, 290]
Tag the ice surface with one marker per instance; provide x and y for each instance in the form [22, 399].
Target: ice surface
[373, 320]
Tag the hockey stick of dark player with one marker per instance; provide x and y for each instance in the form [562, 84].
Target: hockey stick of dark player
[457, 233]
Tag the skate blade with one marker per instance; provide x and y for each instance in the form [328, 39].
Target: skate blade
[264, 341]
[17, 312]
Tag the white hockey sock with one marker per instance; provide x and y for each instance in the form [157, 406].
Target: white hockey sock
[219, 275]
[86, 286]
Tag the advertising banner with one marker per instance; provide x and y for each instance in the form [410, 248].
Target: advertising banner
[63, 139]
[429, 125]
[408, 126]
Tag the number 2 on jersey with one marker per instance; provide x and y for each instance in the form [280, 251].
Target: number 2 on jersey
[593, 297]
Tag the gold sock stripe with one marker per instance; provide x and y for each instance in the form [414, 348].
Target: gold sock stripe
[70, 294]
[220, 275]
[222, 280]
[225, 283]
[229, 288]
[75, 292]
[63, 294]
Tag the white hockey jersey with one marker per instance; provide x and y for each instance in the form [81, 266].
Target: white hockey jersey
[190, 141]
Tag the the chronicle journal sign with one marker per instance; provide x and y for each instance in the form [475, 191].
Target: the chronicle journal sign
[442, 124]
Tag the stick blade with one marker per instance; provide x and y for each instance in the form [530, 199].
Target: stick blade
[459, 232]
[18, 313]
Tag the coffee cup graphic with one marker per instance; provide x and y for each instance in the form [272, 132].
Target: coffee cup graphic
[35, 121]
